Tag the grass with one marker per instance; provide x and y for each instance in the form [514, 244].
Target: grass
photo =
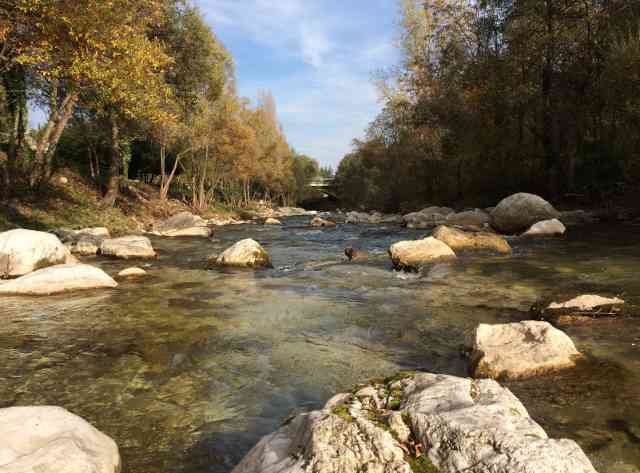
[421, 464]
[342, 412]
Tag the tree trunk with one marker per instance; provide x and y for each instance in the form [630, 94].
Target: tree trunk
[115, 164]
[549, 134]
[46, 145]
[14, 83]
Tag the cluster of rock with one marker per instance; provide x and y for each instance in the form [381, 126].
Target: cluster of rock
[420, 422]
[372, 218]
[42, 264]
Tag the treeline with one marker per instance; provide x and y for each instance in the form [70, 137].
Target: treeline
[499, 96]
[135, 88]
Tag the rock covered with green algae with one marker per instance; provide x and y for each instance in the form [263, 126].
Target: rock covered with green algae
[420, 423]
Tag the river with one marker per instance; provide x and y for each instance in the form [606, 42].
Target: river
[188, 368]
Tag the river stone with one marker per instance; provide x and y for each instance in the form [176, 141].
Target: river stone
[470, 218]
[427, 218]
[320, 222]
[23, 251]
[520, 350]
[372, 218]
[413, 254]
[586, 302]
[47, 439]
[57, 279]
[518, 212]
[245, 253]
[356, 255]
[183, 224]
[460, 424]
[87, 245]
[272, 221]
[132, 273]
[459, 240]
[551, 227]
[128, 247]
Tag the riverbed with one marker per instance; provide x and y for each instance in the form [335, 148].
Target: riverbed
[187, 368]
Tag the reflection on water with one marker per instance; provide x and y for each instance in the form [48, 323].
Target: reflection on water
[188, 368]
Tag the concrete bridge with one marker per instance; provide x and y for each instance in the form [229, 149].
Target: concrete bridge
[321, 182]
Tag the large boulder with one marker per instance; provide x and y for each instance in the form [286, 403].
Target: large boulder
[459, 240]
[520, 350]
[183, 224]
[128, 247]
[551, 227]
[418, 423]
[47, 439]
[413, 254]
[428, 218]
[471, 218]
[245, 253]
[23, 251]
[518, 212]
[57, 279]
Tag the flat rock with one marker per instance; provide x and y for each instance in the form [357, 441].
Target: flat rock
[413, 254]
[459, 240]
[245, 253]
[47, 439]
[57, 279]
[128, 247]
[470, 218]
[586, 302]
[518, 212]
[23, 251]
[183, 224]
[132, 273]
[553, 227]
[460, 424]
[520, 350]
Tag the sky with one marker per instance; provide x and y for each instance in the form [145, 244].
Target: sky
[316, 57]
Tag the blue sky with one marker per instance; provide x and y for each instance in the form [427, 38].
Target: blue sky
[316, 57]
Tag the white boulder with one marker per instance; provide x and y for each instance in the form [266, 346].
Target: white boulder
[413, 254]
[551, 227]
[57, 279]
[520, 350]
[245, 253]
[518, 212]
[47, 439]
[23, 251]
[132, 273]
[453, 424]
[128, 247]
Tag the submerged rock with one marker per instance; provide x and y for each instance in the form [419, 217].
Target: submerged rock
[320, 222]
[413, 254]
[586, 302]
[518, 212]
[57, 279]
[50, 439]
[551, 227]
[420, 423]
[272, 221]
[128, 247]
[183, 224]
[459, 240]
[132, 273]
[23, 251]
[520, 350]
[356, 255]
[245, 253]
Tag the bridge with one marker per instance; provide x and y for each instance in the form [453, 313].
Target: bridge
[321, 182]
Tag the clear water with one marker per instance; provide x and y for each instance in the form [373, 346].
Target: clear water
[188, 368]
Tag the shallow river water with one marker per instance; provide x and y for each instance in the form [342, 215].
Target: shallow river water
[188, 368]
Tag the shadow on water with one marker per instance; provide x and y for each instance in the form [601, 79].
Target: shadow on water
[188, 368]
